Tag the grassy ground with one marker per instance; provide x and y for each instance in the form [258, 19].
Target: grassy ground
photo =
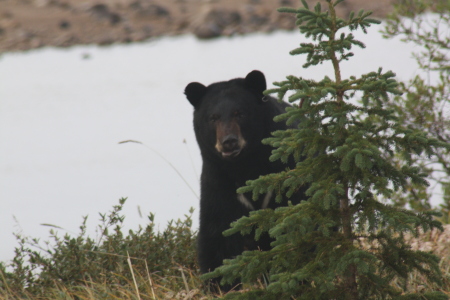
[185, 283]
[143, 264]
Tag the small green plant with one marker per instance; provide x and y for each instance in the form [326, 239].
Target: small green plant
[142, 259]
[343, 242]
[425, 103]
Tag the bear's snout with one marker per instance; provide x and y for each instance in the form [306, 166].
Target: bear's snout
[229, 141]
[230, 144]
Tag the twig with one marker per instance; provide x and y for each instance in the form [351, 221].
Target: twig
[150, 280]
[167, 161]
[190, 158]
[132, 274]
[184, 280]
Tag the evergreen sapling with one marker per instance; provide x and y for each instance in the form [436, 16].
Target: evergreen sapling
[344, 241]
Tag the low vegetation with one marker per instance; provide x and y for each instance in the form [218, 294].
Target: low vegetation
[138, 264]
[115, 265]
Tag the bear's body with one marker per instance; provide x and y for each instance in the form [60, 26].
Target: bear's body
[230, 120]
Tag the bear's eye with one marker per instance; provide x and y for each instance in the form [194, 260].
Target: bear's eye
[214, 118]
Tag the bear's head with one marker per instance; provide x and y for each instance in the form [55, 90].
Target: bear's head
[229, 116]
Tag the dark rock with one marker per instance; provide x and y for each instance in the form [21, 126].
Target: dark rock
[224, 18]
[208, 31]
[135, 5]
[64, 24]
[154, 10]
[127, 40]
[106, 40]
[215, 21]
[258, 20]
[159, 10]
[115, 18]
[102, 13]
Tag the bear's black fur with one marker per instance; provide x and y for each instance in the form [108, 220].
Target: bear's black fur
[230, 120]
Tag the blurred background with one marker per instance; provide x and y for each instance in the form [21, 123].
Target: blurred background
[28, 24]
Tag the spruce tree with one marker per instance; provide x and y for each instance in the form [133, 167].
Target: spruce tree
[344, 241]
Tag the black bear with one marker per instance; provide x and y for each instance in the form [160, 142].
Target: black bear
[230, 120]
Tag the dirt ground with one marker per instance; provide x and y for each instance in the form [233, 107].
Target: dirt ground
[28, 24]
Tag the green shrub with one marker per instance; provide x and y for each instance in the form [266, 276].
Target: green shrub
[425, 103]
[74, 262]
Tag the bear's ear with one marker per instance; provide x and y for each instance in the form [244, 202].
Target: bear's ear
[256, 81]
[194, 92]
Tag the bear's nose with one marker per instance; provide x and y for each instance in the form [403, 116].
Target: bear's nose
[230, 143]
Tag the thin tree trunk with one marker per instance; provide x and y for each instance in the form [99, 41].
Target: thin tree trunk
[350, 285]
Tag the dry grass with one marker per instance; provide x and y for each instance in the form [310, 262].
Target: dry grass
[437, 242]
[188, 286]
[143, 286]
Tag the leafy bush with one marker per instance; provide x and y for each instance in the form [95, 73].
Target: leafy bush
[425, 103]
[112, 259]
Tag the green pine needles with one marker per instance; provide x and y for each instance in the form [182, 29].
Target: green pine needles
[345, 241]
